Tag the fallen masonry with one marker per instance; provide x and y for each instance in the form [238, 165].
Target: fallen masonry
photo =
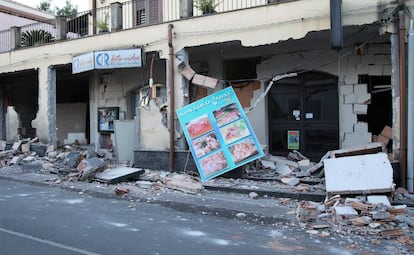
[352, 202]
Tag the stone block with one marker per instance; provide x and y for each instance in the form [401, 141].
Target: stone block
[363, 98]
[40, 149]
[346, 90]
[360, 109]
[360, 89]
[72, 159]
[350, 99]
[375, 70]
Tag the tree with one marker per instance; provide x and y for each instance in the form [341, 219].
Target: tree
[69, 10]
[45, 5]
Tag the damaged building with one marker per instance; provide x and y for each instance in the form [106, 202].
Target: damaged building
[347, 65]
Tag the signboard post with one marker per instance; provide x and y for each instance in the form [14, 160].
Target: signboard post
[219, 134]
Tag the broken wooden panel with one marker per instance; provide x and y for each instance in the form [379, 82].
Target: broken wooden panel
[370, 148]
[118, 174]
[245, 92]
[369, 173]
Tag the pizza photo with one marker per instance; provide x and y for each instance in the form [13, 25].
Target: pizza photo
[213, 163]
[243, 150]
[199, 126]
[227, 114]
[234, 131]
[205, 144]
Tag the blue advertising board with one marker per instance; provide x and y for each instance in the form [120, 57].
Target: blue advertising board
[219, 134]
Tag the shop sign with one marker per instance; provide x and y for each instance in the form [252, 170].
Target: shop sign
[118, 59]
[83, 63]
[219, 134]
[109, 59]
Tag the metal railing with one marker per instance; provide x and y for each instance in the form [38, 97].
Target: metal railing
[135, 13]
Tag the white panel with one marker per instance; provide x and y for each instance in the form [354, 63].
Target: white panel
[125, 140]
[372, 172]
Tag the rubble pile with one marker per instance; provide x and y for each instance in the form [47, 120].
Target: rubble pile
[371, 216]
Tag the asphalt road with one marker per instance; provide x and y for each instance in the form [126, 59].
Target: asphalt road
[49, 220]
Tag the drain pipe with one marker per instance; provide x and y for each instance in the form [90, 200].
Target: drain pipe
[403, 95]
[172, 94]
[410, 136]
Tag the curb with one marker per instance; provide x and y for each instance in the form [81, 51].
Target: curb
[269, 193]
[175, 204]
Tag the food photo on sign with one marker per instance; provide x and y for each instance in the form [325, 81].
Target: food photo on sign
[219, 134]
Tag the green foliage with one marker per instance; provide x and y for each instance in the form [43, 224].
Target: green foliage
[45, 5]
[206, 6]
[103, 25]
[69, 10]
[36, 37]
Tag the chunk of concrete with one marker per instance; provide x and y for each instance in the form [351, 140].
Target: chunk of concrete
[359, 174]
[118, 174]
[379, 200]
[72, 159]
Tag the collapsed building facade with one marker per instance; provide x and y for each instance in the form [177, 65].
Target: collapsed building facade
[348, 59]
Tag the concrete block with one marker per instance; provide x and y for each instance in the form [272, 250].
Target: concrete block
[360, 89]
[346, 90]
[350, 99]
[345, 211]
[361, 127]
[362, 173]
[347, 118]
[367, 60]
[351, 78]
[72, 159]
[382, 59]
[386, 69]
[379, 199]
[40, 149]
[375, 70]
[355, 139]
[360, 109]
[25, 147]
[363, 98]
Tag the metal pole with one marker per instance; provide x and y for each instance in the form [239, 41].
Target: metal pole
[403, 97]
[172, 101]
[410, 133]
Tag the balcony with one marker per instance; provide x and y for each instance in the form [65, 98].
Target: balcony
[114, 18]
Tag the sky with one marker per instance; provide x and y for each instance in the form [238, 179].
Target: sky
[82, 4]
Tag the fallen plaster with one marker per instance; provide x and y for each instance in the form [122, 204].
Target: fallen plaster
[12, 124]
[154, 135]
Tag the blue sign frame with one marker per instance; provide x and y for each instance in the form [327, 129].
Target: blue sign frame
[219, 134]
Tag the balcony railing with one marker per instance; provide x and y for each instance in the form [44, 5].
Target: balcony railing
[127, 15]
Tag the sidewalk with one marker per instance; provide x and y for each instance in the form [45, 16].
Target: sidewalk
[233, 203]
[251, 202]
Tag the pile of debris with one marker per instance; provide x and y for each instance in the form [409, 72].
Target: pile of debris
[80, 162]
[371, 216]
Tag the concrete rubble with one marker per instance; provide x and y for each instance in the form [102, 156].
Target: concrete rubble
[373, 213]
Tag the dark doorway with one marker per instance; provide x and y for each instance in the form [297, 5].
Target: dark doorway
[303, 115]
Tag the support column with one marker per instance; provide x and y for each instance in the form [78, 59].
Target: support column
[45, 121]
[186, 8]
[116, 17]
[61, 28]
[15, 38]
[183, 95]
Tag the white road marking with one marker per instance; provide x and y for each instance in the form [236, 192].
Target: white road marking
[47, 242]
